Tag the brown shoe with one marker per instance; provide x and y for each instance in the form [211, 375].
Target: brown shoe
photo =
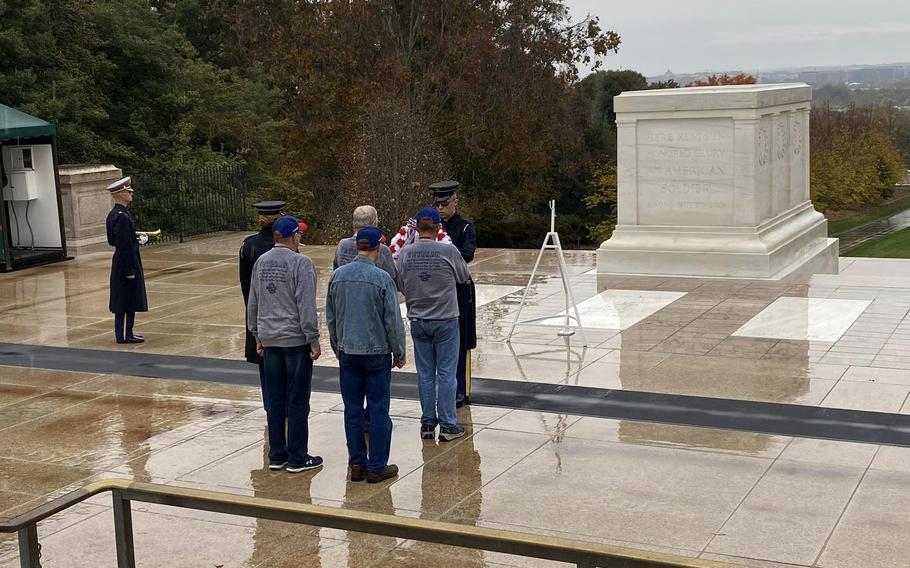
[358, 472]
[388, 472]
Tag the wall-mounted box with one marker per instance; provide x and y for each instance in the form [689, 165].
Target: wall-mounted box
[23, 186]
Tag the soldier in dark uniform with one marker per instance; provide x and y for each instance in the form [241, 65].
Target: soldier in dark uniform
[127, 278]
[252, 248]
[463, 236]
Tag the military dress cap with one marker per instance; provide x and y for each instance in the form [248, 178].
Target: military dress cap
[270, 207]
[120, 185]
[443, 190]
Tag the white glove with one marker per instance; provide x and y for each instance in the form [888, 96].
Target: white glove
[142, 239]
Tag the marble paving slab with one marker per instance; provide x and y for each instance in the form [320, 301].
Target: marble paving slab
[618, 309]
[485, 293]
[812, 319]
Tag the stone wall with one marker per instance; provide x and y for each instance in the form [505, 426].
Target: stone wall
[86, 202]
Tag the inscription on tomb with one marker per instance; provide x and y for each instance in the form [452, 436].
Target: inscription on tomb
[780, 140]
[797, 136]
[685, 172]
[764, 147]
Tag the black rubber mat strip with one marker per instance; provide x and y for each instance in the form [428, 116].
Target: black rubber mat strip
[732, 414]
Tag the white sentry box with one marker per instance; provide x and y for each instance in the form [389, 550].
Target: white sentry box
[23, 183]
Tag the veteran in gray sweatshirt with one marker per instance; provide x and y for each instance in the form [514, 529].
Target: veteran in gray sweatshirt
[281, 315]
[428, 271]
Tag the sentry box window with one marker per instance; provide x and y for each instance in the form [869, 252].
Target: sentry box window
[21, 159]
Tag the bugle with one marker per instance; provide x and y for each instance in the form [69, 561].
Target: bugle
[150, 234]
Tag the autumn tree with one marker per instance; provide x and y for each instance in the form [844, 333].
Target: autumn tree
[902, 135]
[725, 79]
[300, 92]
[602, 200]
[490, 78]
[394, 159]
[854, 161]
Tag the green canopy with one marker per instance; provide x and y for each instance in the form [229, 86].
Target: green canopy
[15, 124]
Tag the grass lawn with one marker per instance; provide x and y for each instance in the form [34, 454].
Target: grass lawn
[896, 245]
[844, 221]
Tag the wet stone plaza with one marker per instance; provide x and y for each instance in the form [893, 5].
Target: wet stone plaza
[760, 423]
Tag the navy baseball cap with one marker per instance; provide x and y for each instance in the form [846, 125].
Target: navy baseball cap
[286, 225]
[429, 213]
[368, 238]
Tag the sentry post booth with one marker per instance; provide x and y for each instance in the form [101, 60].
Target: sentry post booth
[31, 217]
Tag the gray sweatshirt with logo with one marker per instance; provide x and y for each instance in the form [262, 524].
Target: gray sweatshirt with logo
[427, 273]
[281, 311]
[346, 251]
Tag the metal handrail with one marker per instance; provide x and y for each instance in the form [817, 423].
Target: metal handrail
[582, 554]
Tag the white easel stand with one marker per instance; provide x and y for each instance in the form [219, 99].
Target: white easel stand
[567, 329]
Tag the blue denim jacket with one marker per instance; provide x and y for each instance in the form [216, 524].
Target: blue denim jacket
[362, 311]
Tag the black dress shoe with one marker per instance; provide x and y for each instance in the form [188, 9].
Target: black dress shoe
[137, 336]
[134, 339]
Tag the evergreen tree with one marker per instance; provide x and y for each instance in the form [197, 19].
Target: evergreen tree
[124, 86]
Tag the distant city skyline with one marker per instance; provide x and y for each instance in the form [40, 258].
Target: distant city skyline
[702, 35]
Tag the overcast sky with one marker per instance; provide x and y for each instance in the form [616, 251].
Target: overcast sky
[697, 35]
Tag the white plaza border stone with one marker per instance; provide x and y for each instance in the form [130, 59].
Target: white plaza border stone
[714, 181]
[618, 309]
[809, 319]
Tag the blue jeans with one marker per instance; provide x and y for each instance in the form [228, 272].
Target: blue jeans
[370, 377]
[436, 355]
[289, 378]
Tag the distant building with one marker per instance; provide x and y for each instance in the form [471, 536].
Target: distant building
[875, 75]
[823, 77]
[856, 76]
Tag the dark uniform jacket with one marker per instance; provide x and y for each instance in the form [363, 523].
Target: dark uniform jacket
[463, 236]
[127, 294]
[253, 247]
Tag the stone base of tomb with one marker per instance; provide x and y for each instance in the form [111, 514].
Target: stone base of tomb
[794, 241]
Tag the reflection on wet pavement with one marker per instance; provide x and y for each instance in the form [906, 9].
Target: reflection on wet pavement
[655, 486]
[743, 497]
